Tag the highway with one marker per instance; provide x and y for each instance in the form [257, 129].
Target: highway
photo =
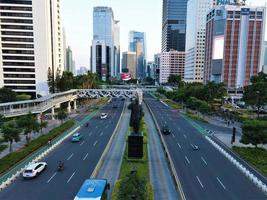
[80, 160]
[205, 174]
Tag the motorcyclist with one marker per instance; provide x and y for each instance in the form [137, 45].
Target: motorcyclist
[87, 124]
[60, 165]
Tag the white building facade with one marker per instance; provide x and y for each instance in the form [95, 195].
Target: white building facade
[171, 63]
[195, 39]
[105, 45]
[31, 42]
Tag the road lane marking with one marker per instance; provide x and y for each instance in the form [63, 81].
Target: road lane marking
[101, 133]
[184, 136]
[52, 177]
[200, 182]
[95, 143]
[204, 161]
[187, 160]
[179, 145]
[85, 156]
[90, 134]
[106, 126]
[173, 135]
[82, 143]
[96, 127]
[71, 177]
[70, 156]
[110, 122]
[221, 183]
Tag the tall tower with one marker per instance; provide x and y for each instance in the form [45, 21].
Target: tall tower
[174, 25]
[31, 42]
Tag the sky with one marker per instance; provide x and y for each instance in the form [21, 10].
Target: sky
[139, 15]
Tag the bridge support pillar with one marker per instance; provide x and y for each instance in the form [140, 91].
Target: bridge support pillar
[75, 104]
[53, 113]
[69, 107]
[39, 116]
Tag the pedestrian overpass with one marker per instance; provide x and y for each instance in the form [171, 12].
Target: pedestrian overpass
[50, 102]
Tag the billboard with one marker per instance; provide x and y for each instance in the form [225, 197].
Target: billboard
[218, 48]
[126, 76]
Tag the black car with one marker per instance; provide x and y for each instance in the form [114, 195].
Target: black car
[115, 106]
[165, 130]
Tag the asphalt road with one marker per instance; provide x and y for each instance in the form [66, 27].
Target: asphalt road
[80, 159]
[204, 174]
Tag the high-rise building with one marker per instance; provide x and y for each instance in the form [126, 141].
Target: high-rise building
[171, 63]
[31, 42]
[70, 64]
[264, 69]
[174, 25]
[157, 66]
[82, 71]
[137, 43]
[234, 42]
[129, 63]
[195, 39]
[105, 48]
[150, 70]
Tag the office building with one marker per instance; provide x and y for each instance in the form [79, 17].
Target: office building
[264, 69]
[70, 63]
[82, 71]
[137, 43]
[105, 48]
[174, 25]
[129, 63]
[157, 67]
[195, 39]
[31, 42]
[234, 42]
[171, 63]
[150, 70]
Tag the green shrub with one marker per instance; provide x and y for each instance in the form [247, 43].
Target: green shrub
[13, 158]
[3, 147]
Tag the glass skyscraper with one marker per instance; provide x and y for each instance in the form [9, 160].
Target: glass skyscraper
[137, 43]
[174, 25]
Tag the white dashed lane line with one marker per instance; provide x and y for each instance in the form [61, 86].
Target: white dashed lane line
[71, 177]
[200, 182]
[179, 145]
[221, 183]
[187, 160]
[82, 143]
[204, 161]
[84, 158]
[95, 143]
[52, 177]
[70, 156]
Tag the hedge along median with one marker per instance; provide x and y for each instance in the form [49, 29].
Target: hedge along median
[134, 183]
[15, 157]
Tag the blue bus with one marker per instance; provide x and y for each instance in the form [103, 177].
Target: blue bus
[93, 189]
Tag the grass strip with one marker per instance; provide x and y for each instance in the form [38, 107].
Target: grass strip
[255, 156]
[137, 183]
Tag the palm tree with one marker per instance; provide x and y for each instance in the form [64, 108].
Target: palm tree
[11, 133]
[62, 115]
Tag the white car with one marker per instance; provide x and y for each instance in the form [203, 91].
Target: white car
[103, 116]
[33, 169]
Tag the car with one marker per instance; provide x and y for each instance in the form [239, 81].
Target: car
[76, 137]
[33, 169]
[115, 106]
[165, 130]
[103, 115]
[194, 147]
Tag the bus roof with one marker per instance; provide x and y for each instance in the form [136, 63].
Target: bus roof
[92, 189]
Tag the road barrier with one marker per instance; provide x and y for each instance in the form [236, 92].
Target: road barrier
[167, 154]
[243, 169]
[15, 172]
[105, 152]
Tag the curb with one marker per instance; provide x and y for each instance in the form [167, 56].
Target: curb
[105, 152]
[169, 159]
[243, 169]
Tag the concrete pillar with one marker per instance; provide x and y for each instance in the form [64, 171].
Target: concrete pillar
[39, 116]
[75, 104]
[53, 113]
[69, 107]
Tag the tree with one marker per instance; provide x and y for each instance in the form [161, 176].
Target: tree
[23, 97]
[62, 115]
[29, 124]
[11, 133]
[256, 94]
[136, 116]
[7, 95]
[65, 82]
[254, 132]
[57, 81]
[50, 81]
[175, 80]
[43, 125]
